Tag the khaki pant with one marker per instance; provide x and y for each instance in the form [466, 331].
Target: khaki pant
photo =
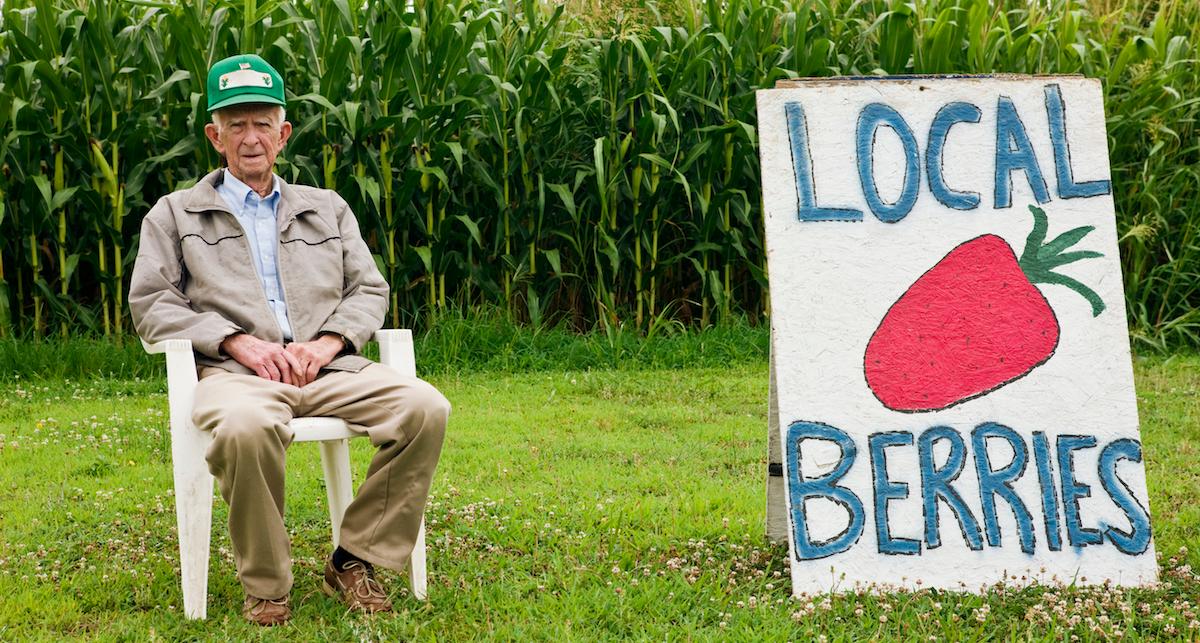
[405, 418]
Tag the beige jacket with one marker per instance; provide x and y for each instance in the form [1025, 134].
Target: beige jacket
[195, 278]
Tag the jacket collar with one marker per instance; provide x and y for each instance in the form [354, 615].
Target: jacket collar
[204, 198]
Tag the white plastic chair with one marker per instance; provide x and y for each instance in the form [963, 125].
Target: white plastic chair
[194, 484]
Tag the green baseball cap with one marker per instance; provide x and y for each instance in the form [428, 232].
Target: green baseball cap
[245, 78]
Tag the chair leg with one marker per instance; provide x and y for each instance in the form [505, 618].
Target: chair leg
[335, 459]
[193, 512]
[416, 566]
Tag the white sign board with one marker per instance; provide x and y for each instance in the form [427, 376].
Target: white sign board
[950, 362]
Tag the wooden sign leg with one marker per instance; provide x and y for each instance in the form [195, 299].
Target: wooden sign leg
[777, 521]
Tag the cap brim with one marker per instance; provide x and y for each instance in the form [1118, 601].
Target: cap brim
[242, 99]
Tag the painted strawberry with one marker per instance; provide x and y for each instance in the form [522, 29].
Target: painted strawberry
[973, 322]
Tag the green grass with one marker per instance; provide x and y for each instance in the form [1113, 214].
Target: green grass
[577, 505]
[478, 341]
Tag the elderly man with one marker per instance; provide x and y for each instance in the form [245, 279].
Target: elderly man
[278, 292]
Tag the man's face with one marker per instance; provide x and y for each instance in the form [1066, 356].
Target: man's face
[250, 137]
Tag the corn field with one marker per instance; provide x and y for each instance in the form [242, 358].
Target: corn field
[590, 163]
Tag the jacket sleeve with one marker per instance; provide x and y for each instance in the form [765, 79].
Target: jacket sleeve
[364, 291]
[157, 303]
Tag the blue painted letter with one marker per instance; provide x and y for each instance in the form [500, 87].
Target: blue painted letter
[997, 482]
[869, 121]
[1015, 152]
[1137, 539]
[1072, 491]
[947, 116]
[806, 192]
[1067, 187]
[935, 484]
[801, 489]
[885, 489]
[1041, 455]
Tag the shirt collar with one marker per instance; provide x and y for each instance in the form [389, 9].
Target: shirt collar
[241, 190]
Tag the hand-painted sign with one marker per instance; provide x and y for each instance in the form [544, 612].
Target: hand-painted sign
[952, 393]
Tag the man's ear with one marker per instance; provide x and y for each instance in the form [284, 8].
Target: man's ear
[285, 132]
[210, 130]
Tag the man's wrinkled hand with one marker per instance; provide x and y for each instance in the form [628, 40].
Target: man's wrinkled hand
[315, 355]
[269, 361]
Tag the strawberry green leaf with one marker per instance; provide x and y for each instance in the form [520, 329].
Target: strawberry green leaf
[1068, 257]
[1039, 258]
[1065, 240]
[1088, 294]
[1040, 225]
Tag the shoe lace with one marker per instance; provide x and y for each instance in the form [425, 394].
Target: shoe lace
[365, 585]
[259, 605]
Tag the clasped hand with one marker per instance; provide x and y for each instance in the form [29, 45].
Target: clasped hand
[296, 364]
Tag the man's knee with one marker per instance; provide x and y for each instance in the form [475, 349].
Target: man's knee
[243, 428]
[419, 409]
[427, 402]
[432, 402]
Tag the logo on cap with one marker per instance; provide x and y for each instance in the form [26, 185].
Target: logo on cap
[245, 77]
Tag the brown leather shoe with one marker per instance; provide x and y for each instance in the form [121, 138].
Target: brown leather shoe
[266, 611]
[356, 587]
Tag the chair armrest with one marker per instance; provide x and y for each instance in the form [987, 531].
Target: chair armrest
[181, 361]
[396, 350]
[168, 346]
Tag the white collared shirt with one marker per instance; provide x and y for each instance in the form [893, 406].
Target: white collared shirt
[259, 218]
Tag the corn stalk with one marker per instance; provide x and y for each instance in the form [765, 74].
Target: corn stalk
[520, 155]
[5, 312]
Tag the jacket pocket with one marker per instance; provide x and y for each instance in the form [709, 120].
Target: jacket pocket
[216, 264]
[314, 263]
